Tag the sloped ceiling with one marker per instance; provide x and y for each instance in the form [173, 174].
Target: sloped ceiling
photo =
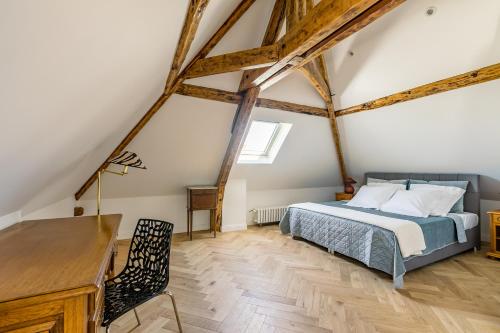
[449, 132]
[76, 76]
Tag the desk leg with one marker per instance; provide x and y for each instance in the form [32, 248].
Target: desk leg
[190, 222]
[212, 222]
[187, 223]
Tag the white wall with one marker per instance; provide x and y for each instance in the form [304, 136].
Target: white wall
[276, 198]
[449, 132]
[10, 219]
[170, 208]
[234, 206]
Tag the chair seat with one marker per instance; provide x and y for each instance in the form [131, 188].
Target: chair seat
[120, 299]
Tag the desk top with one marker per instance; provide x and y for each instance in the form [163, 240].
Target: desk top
[45, 256]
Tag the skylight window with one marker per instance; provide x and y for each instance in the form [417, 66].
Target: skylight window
[263, 142]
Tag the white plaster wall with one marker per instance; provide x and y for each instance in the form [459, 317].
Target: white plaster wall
[234, 206]
[276, 198]
[171, 208]
[449, 132]
[10, 219]
[62, 208]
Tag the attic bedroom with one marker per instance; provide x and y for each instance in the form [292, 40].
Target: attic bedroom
[250, 166]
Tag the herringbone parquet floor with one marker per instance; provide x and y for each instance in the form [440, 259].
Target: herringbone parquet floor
[261, 281]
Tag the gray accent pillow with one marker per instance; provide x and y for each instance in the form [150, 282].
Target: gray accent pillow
[458, 207]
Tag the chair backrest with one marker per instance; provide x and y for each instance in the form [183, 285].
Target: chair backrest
[149, 254]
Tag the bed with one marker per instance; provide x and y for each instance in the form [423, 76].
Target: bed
[378, 247]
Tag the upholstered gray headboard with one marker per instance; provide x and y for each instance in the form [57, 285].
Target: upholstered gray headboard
[471, 197]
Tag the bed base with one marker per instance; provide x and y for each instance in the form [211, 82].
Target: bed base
[473, 242]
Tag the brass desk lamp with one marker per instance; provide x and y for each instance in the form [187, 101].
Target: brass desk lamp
[126, 159]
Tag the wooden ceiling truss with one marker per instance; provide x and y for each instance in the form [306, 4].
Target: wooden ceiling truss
[310, 31]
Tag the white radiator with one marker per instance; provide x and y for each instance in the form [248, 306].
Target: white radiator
[269, 214]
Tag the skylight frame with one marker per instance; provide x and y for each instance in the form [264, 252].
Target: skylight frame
[273, 146]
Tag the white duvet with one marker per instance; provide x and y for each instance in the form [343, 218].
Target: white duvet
[408, 233]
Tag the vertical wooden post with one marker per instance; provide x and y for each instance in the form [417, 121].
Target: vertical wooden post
[240, 126]
[244, 110]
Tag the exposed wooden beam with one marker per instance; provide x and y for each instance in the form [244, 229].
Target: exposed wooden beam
[316, 73]
[292, 107]
[128, 138]
[191, 22]
[242, 117]
[336, 139]
[169, 89]
[282, 69]
[295, 11]
[273, 29]
[313, 75]
[237, 13]
[481, 75]
[209, 93]
[235, 61]
[240, 125]
[324, 19]
[235, 98]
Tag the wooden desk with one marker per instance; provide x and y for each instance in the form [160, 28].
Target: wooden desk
[201, 198]
[52, 273]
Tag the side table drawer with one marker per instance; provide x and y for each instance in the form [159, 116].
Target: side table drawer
[204, 200]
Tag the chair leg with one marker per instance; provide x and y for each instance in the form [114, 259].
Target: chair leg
[169, 293]
[107, 329]
[137, 317]
[138, 321]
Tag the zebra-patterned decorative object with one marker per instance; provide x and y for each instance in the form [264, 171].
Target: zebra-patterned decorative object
[128, 159]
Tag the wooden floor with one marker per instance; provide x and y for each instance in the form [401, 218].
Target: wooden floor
[262, 281]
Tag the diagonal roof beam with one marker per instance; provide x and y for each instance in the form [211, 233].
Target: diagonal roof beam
[316, 72]
[295, 11]
[193, 17]
[279, 71]
[191, 22]
[481, 75]
[324, 19]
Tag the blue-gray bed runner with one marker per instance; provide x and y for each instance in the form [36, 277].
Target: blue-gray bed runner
[374, 246]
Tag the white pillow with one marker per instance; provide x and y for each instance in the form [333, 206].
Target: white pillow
[411, 203]
[376, 181]
[444, 197]
[396, 186]
[372, 196]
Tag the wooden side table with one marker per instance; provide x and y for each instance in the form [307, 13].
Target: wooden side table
[494, 234]
[343, 196]
[201, 198]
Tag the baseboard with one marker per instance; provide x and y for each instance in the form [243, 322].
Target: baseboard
[233, 227]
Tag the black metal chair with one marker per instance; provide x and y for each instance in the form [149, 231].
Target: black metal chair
[146, 274]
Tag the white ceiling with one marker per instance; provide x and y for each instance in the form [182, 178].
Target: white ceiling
[76, 76]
